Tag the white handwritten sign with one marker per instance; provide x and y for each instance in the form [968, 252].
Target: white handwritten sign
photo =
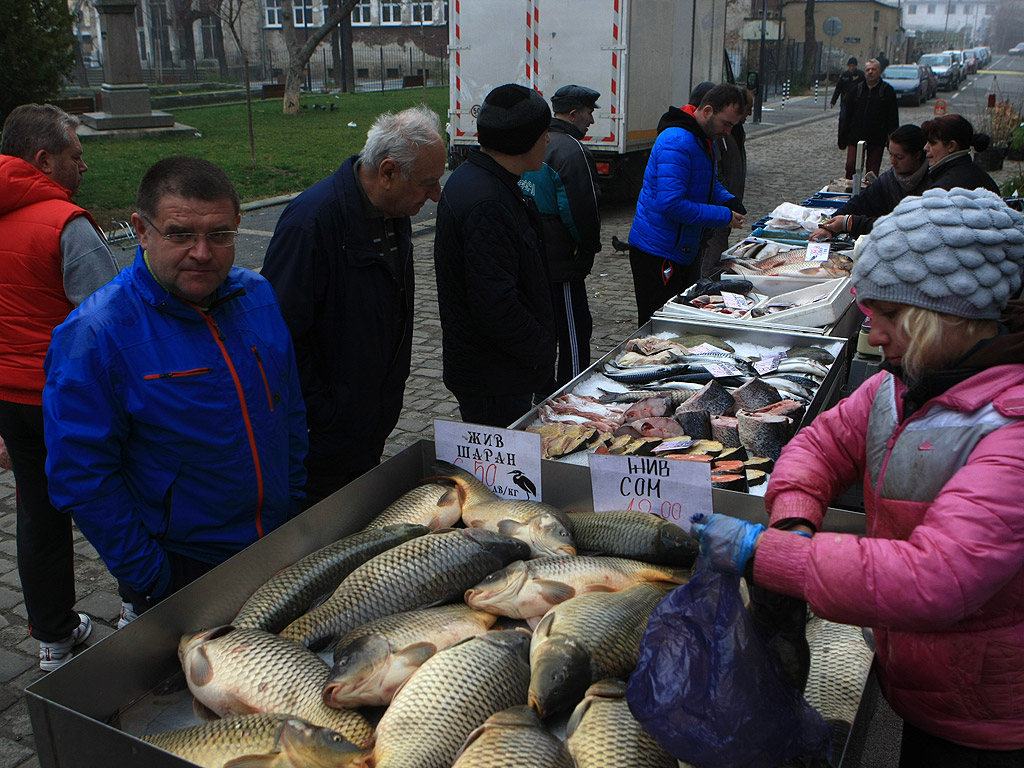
[508, 461]
[669, 488]
[736, 300]
[818, 251]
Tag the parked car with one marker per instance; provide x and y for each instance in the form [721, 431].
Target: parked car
[933, 82]
[958, 59]
[986, 55]
[1017, 50]
[970, 62]
[910, 81]
[946, 70]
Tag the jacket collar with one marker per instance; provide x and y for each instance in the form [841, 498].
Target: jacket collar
[558, 125]
[483, 160]
[22, 184]
[153, 293]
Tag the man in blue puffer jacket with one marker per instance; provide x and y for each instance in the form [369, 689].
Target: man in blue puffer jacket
[173, 415]
[681, 197]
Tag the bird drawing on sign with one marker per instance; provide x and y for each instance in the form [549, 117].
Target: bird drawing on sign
[523, 482]
[618, 245]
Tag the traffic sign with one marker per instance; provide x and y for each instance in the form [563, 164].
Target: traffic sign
[833, 26]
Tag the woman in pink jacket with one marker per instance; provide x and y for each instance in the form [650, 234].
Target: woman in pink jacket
[937, 440]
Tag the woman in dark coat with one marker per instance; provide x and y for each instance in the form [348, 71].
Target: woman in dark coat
[950, 139]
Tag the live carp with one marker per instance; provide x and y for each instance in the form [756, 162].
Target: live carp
[431, 504]
[372, 662]
[540, 525]
[528, 589]
[290, 592]
[451, 695]
[514, 738]
[426, 571]
[636, 535]
[241, 671]
[586, 639]
[261, 741]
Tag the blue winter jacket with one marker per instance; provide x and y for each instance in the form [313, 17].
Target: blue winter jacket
[681, 195]
[171, 428]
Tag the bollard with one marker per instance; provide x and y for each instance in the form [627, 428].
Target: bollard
[815, 91]
[940, 107]
[785, 93]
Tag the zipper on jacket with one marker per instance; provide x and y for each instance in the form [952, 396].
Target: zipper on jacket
[176, 374]
[219, 337]
[263, 373]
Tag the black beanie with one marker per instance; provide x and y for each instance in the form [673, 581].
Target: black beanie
[511, 119]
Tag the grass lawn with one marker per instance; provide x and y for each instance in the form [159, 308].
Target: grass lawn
[292, 151]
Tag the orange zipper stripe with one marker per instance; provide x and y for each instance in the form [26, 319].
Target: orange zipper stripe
[176, 374]
[216, 333]
[266, 384]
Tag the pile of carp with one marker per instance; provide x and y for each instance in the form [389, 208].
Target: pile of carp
[427, 620]
[763, 258]
[676, 408]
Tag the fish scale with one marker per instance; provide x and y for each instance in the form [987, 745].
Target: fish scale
[239, 671]
[294, 743]
[429, 570]
[603, 732]
[431, 504]
[514, 738]
[636, 535]
[290, 592]
[452, 694]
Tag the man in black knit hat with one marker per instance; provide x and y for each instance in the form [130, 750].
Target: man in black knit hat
[498, 330]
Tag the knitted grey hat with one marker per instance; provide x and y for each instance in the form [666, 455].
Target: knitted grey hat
[512, 118]
[958, 251]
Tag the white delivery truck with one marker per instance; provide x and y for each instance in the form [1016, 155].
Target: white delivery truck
[642, 55]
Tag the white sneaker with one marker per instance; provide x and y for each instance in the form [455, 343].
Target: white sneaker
[128, 615]
[53, 655]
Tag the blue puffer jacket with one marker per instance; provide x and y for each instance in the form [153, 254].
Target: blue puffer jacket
[170, 428]
[681, 195]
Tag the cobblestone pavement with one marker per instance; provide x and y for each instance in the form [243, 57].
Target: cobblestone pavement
[785, 164]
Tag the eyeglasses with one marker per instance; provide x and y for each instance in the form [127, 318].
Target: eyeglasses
[223, 239]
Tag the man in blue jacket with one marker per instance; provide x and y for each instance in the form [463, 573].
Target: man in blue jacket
[341, 264]
[681, 197]
[173, 416]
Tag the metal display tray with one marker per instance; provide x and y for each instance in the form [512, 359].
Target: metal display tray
[75, 710]
[826, 396]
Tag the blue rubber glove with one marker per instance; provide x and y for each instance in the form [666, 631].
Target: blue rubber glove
[728, 542]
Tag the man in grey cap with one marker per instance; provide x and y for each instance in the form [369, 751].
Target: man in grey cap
[567, 195]
[498, 330]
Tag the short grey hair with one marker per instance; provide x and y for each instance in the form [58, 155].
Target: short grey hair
[32, 127]
[873, 61]
[400, 136]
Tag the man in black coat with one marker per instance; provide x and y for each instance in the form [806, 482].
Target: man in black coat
[497, 323]
[341, 264]
[847, 81]
[871, 114]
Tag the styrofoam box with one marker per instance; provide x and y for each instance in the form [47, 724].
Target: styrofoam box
[765, 286]
[827, 310]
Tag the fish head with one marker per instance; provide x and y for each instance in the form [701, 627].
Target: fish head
[516, 641]
[559, 675]
[359, 671]
[306, 745]
[678, 546]
[192, 641]
[549, 536]
[448, 509]
[505, 548]
[500, 589]
[471, 489]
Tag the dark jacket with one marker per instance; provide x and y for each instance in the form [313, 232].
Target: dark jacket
[170, 428]
[959, 171]
[681, 195]
[878, 199]
[846, 83]
[492, 284]
[870, 115]
[567, 196]
[732, 161]
[349, 311]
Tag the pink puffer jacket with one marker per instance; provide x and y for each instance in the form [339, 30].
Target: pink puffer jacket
[940, 574]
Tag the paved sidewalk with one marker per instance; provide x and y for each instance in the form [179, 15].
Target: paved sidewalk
[784, 165]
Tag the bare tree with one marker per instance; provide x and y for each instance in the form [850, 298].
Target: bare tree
[300, 51]
[810, 43]
[230, 13]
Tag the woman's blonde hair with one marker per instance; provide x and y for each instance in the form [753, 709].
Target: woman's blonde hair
[936, 339]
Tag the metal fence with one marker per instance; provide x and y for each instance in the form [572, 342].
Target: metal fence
[784, 61]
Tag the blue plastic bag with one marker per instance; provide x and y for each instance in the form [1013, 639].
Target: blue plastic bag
[708, 689]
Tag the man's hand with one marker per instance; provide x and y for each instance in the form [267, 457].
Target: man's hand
[737, 220]
[727, 541]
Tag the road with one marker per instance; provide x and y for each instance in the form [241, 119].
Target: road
[791, 154]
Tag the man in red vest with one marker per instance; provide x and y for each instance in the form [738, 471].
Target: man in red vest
[52, 256]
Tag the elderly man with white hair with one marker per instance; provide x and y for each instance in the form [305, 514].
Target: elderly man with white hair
[341, 263]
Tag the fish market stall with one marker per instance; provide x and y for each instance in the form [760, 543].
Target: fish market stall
[93, 710]
[671, 381]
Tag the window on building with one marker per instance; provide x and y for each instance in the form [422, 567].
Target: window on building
[390, 13]
[273, 13]
[159, 31]
[361, 13]
[445, 6]
[209, 26]
[989, 10]
[911, 10]
[422, 13]
[952, 10]
[931, 8]
[876, 15]
[303, 13]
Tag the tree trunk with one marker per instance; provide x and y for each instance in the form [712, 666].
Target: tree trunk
[810, 44]
[219, 52]
[336, 56]
[299, 52]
